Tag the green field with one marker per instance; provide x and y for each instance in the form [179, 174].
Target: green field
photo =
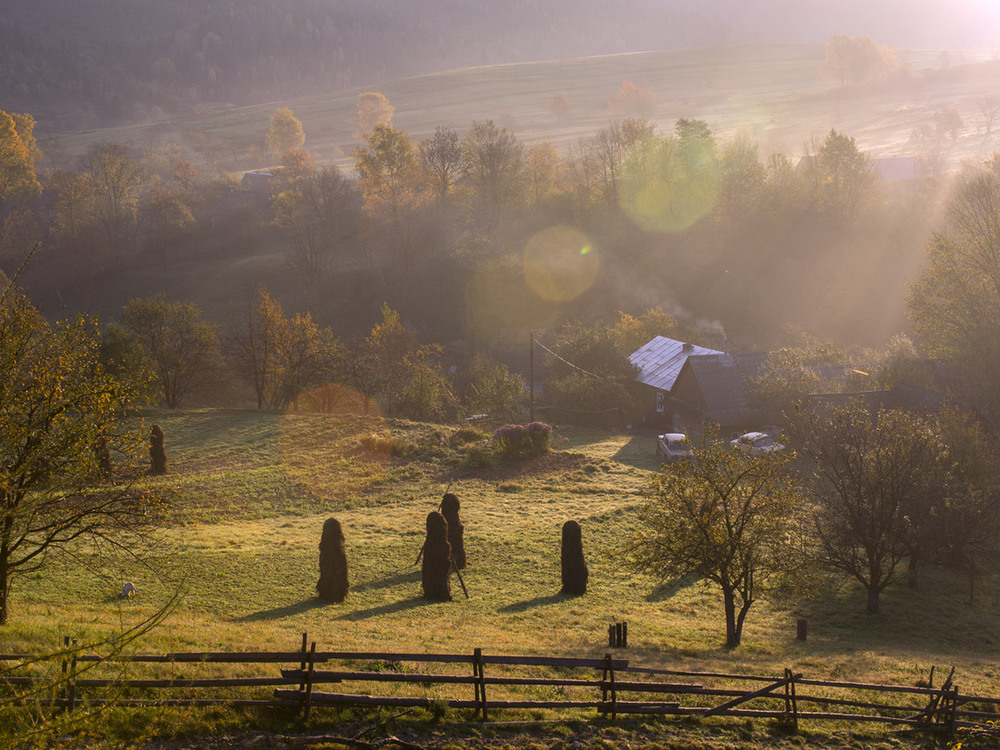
[249, 493]
[776, 92]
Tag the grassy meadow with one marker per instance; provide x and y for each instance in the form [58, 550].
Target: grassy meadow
[248, 493]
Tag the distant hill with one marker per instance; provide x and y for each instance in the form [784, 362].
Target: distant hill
[79, 64]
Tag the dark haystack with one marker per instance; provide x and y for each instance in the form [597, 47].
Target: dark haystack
[574, 568]
[157, 452]
[456, 531]
[435, 571]
[332, 585]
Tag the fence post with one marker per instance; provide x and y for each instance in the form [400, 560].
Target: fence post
[72, 679]
[309, 682]
[609, 681]
[791, 704]
[302, 663]
[479, 673]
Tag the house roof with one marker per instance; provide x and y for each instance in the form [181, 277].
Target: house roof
[660, 360]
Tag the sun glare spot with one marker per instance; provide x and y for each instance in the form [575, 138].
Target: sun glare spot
[560, 264]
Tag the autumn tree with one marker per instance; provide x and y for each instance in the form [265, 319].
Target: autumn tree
[954, 305]
[392, 187]
[558, 105]
[633, 100]
[114, 177]
[725, 516]
[285, 132]
[603, 154]
[181, 348]
[857, 59]
[542, 165]
[494, 167]
[283, 357]
[871, 474]
[163, 217]
[373, 109]
[18, 153]
[58, 405]
[315, 213]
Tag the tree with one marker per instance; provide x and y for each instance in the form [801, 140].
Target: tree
[669, 183]
[955, 303]
[285, 132]
[558, 105]
[725, 516]
[604, 153]
[494, 166]
[844, 178]
[18, 152]
[58, 409]
[989, 108]
[392, 186]
[441, 155]
[494, 390]
[857, 59]
[634, 101]
[315, 212]
[871, 474]
[182, 348]
[373, 109]
[542, 167]
[114, 177]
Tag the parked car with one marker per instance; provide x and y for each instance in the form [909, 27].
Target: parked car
[757, 443]
[673, 446]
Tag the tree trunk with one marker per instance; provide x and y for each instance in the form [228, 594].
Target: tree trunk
[873, 600]
[4, 591]
[911, 569]
[732, 633]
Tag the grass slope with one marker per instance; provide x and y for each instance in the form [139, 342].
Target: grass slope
[777, 92]
[249, 493]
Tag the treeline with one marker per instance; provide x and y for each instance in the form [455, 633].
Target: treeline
[92, 63]
[477, 238]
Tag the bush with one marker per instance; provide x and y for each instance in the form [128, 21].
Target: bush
[514, 439]
[477, 458]
[539, 437]
[510, 439]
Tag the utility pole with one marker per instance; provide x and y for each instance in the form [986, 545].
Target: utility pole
[531, 375]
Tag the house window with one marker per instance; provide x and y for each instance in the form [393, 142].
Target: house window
[659, 402]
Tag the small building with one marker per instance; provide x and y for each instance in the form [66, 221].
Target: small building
[659, 362]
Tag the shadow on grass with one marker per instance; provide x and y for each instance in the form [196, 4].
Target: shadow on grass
[396, 580]
[668, 589]
[287, 611]
[385, 609]
[639, 452]
[538, 601]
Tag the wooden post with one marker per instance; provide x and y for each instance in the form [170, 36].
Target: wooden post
[611, 635]
[302, 664]
[624, 635]
[801, 628]
[480, 675]
[309, 682]
[791, 704]
[609, 680]
[72, 679]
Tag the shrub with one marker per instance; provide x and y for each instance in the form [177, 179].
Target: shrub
[477, 458]
[510, 439]
[539, 437]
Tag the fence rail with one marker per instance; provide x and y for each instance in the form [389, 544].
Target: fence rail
[599, 687]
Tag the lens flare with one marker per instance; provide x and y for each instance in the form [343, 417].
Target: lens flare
[560, 264]
[667, 186]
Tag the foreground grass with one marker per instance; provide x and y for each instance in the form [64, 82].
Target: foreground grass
[249, 493]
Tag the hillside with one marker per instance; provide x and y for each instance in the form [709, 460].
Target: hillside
[248, 494]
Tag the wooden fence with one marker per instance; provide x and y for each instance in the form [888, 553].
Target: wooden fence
[578, 687]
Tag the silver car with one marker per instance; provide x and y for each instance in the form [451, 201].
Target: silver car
[673, 446]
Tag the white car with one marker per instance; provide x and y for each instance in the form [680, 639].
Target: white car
[757, 443]
[673, 446]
